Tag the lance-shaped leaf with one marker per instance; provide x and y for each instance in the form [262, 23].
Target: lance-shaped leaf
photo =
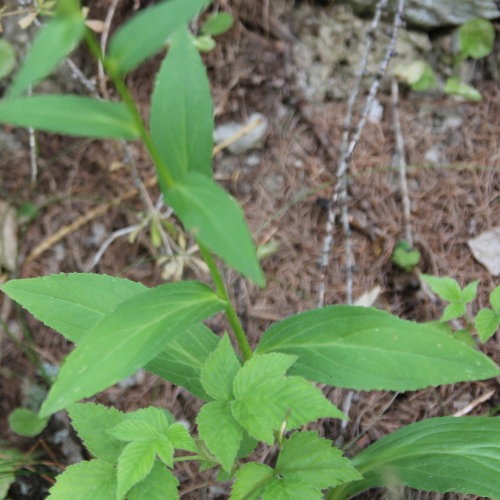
[71, 303]
[181, 111]
[217, 221]
[51, 45]
[70, 115]
[86, 480]
[439, 454]
[367, 349]
[128, 338]
[148, 31]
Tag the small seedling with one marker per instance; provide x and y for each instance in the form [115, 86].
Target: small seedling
[405, 256]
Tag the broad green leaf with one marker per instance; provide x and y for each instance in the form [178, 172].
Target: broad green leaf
[366, 349]
[476, 38]
[447, 288]
[26, 422]
[469, 293]
[71, 303]
[495, 299]
[220, 431]
[291, 489]
[134, 465]
[290, 401]
[486, 322]
[454, 86]
[159, 484]
[219, 370]
[453, 310]
[70, 115]
[251, 479]
[180, 438]
[439, 454]
[148, 31]
[85, 481]
[145, 424]
[7, 58]
[217, 221]
[405, 256]
[128, 338]
[92, 423]
[181, 110]
[50, 46]
[308, 458]
[217, 24]
[181, 361]
[417, 74]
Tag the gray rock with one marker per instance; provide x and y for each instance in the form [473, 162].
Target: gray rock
[429, 14]
[253, 139]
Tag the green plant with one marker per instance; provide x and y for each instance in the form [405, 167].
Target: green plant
[475, 40]
[263, 395]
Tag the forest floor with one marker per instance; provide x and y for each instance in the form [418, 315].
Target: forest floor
[452, 149]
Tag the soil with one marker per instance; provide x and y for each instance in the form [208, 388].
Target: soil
[282, 186]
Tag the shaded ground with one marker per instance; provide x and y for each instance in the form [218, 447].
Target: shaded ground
[253, 69]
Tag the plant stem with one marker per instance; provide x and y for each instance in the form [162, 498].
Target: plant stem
[232, 317]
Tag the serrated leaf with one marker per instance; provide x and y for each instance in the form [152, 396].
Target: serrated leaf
[308, 458]
[291, 489]
[476, 38]
[453, 310]
[181, 110]
[146, 424]
[165, 450]
[217, 24]
[128, 338]
[70, 115]
[71, 303]
[159, 484]
[51, 45]
[220, 431]
[290, 400]
[439, 454]
[92, 423]
[366, 349]
[495, 299]
[85, 481]
[454, 86]
[153, 27]
[181, 439]
[134, 465]
[7, 58]
[486, 322]
[26, 422]
[260, 369]
[219, 370]
[251, 479]
[181, 361]
[447, 288]
[217, 221]
[469, 293]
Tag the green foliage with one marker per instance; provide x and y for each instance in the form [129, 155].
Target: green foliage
[7, 58]
[487, 320]
[454, 86]
[405, 256]
[417, 74]
[25, 422]
[476, 38]
[217, 24]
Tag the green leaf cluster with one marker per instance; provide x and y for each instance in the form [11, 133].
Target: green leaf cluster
[405, 256]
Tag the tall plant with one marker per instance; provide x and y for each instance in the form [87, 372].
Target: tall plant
[250, 395]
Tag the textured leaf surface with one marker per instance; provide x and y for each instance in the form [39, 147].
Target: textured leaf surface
[447, 288]
[495, 299]
[250, 480]
[218, 372]
[85, 481]
[220, 431]
[217, 221]
[145, 424]
[438, 454]
[476, 38]
[367, 349]
[128, 338]
[181, 111]
[308, 458]
[50, 46]
[291, 489]
[71, 303]
[92, 423]
[70, 115]
[158, 485]
[148, 31]
[181, 361]
[486, 322]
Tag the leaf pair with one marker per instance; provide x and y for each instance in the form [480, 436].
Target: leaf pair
[256, 398]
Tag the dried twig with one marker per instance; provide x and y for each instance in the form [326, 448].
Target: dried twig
[481, 399]
[101, 76]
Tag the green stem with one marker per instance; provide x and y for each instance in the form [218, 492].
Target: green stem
[232, 317]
